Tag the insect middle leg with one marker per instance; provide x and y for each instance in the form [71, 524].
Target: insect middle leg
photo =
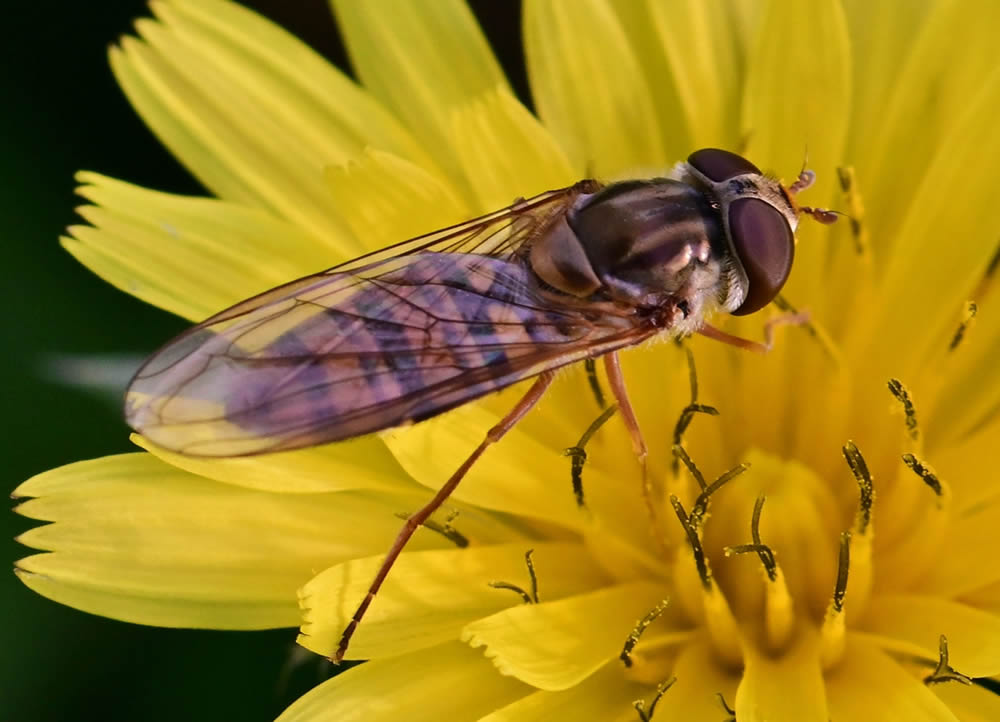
[415, 520]
[617, 381]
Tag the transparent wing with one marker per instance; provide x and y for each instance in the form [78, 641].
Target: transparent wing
[390, 338]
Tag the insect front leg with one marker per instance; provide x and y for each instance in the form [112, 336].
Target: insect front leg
[415, 520]
[798, 318]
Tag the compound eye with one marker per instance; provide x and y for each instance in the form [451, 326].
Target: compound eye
[721, 165]
[765, 246]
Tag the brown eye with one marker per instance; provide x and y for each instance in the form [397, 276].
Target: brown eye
[720, 165]
[764, 244]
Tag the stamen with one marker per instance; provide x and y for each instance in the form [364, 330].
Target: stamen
[640, 705]
[700, 507]
[590, 366]
[578, 457]
[692, 374]
[446, 530]
[779, 613]
[865, 483]
[859, 231]
[833, 633]
[679, 453]
[638, 630]
[903, 396]
[761, 549]
[929, 477]
[812, 328]
[701, 564]
[843, 566]
[687, 414]
[987, 280]
[514, 588]
[528, 598]
[719, 619]
[968, 315]
[726, 708]
[944, 672]
[861, 539]
[994, 264]
[531, 573]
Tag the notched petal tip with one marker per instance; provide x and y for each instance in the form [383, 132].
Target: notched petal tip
[23, 574]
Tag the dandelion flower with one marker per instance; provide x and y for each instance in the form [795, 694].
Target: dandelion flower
[841, 567]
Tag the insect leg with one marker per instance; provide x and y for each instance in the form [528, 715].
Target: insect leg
[617, 381]
[784, 319]
[416, 519]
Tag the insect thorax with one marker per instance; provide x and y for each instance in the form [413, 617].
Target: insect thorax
[643, 243]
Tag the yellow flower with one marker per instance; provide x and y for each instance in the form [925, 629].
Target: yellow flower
[870, 590]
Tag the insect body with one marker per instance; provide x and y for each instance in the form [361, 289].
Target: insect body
[411, 331]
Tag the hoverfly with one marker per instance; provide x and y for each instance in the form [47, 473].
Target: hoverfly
[416, 329]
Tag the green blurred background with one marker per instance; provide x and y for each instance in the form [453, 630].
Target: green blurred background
[61, 112]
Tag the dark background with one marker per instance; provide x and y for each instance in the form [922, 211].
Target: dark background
[61, 112]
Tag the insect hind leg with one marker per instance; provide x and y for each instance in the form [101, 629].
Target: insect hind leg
[415, 520]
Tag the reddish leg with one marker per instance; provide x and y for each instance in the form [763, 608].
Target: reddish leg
[785, 319]
[617, 381]
[418, 518]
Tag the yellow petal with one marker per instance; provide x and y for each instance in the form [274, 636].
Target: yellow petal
[797, 99]
[184, 596]
[965, 561]
[421, 59]
[882, 36]
[797, 93]
[592, 93]
[700, 678]
[223, 141]
[190, 256]
[512, 476]
[915, 315]
[987, 598]
[950, 60]
[969, 703]
[516, 474]
[323, 108]
[362, 463]
[973, 635]
[430, 596]
[868, 684]
[605, 695]
[249, 109]
[391, 199]
[556, 645]
[447, 682]
[699, 40]
[505, 152]
[966, 410]
[795, 102]
[788, 688]
[961, 463]
[138, 540]
[644, 38]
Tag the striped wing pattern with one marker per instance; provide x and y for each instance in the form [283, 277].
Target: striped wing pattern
[385, 340]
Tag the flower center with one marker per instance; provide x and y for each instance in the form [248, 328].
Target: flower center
[797, 530]
[762, 558]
